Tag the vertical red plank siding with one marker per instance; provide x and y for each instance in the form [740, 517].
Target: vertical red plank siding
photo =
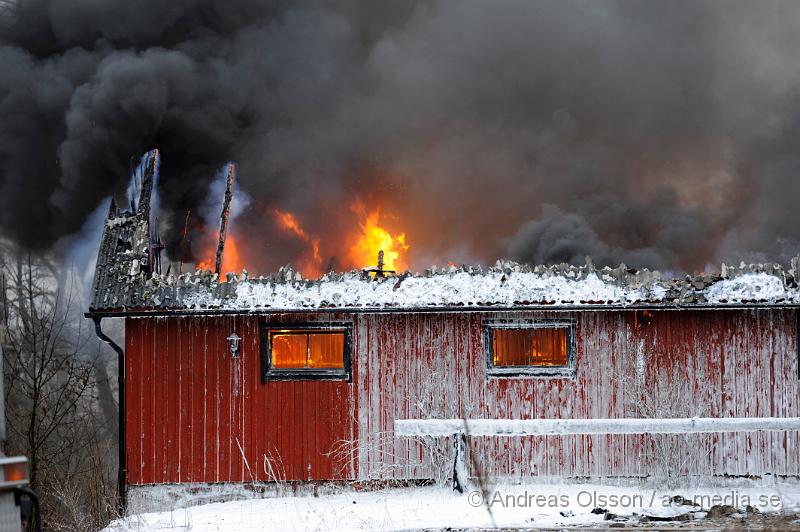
[722, 357]
[188, 405]
[198, 403]
[133, 372]
[198, 415]
[147, 395]
[217, 350]
[170, 426]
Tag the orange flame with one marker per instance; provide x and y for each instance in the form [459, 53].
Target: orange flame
[310, 266]
[231, 259]
[373, 238]
[364, 245]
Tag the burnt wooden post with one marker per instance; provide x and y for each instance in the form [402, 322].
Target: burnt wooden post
[379, 271]
[143, 210]
[223, 218]
[460, 462]
[182, 248]
[146, 191]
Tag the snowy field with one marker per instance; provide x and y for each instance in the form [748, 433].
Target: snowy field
[530, 505]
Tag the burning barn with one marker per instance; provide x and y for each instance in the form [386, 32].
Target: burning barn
[246, 380]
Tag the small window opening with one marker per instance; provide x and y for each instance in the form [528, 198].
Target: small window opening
[294, 349]
[299, 352]
[537, 348]
[530, 347]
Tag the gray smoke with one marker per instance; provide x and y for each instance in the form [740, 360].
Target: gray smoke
[660, 134]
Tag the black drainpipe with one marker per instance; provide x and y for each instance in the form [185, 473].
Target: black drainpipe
[122, 472]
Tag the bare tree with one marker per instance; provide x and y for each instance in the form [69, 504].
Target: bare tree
[52, 394]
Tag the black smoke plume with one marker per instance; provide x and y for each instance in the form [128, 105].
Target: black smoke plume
[660, 134]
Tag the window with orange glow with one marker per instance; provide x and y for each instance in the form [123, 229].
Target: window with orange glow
[536, 348]
[299, 352]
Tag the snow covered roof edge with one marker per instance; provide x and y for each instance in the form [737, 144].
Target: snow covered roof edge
[505, 285]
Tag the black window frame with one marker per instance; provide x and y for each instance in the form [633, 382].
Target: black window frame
[270, 373]
[567, 371]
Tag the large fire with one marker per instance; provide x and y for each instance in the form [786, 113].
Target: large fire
[231, 259]
[363, 245]
[373, 238]
[311, 265]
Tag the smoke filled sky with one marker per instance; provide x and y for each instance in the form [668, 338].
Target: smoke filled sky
[662, 134]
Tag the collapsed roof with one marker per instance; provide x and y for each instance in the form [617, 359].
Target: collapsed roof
[506, 285]
[128, 281]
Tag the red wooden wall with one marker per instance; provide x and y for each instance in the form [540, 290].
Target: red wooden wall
[196, 415]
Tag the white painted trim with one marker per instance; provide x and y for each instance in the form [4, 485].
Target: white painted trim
[541, 427]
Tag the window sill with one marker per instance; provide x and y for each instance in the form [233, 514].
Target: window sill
[307, 374]
[540, 373]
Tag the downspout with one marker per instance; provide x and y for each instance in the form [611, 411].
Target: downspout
[122, 471]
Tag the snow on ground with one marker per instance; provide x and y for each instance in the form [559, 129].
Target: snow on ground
[529, 505]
